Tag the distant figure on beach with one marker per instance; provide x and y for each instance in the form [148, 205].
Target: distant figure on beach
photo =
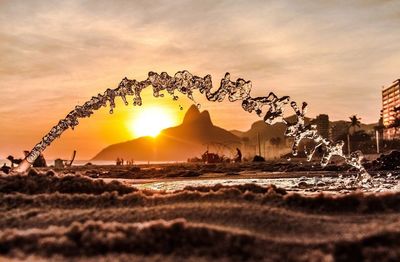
[119, 161]
[238, 157]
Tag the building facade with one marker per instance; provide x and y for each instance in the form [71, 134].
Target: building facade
[391, 110]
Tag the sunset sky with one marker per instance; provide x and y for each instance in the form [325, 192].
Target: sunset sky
[336, 55]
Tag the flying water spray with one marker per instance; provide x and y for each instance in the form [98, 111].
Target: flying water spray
[270, 108]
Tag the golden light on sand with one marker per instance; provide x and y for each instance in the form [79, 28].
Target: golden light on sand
[150, 121]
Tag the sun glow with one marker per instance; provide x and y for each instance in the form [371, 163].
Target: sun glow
[150, 121]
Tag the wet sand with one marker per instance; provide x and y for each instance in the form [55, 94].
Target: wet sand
[192, 213]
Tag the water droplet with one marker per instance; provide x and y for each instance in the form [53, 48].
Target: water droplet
[185, 83]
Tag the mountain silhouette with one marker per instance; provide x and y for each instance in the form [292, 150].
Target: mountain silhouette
[178, 143]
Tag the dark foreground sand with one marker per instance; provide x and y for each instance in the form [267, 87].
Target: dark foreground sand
[72, 217]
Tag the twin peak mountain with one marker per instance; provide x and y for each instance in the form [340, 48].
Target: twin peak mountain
[189, 139]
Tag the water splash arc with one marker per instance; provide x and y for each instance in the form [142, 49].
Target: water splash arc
[270, 108]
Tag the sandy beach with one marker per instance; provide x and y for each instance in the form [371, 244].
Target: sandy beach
[186, 213]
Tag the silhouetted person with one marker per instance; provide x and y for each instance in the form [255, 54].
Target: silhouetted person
[238, 157]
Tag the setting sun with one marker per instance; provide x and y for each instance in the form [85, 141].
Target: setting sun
[150, 122]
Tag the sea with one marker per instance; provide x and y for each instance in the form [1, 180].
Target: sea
[50, 162]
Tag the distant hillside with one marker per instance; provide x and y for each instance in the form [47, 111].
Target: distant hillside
[266, 131]
[176, 143]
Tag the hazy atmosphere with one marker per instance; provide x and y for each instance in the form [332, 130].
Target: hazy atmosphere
[336, 55]
[207, 130]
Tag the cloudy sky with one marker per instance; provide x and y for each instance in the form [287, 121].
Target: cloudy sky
[336, 55]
